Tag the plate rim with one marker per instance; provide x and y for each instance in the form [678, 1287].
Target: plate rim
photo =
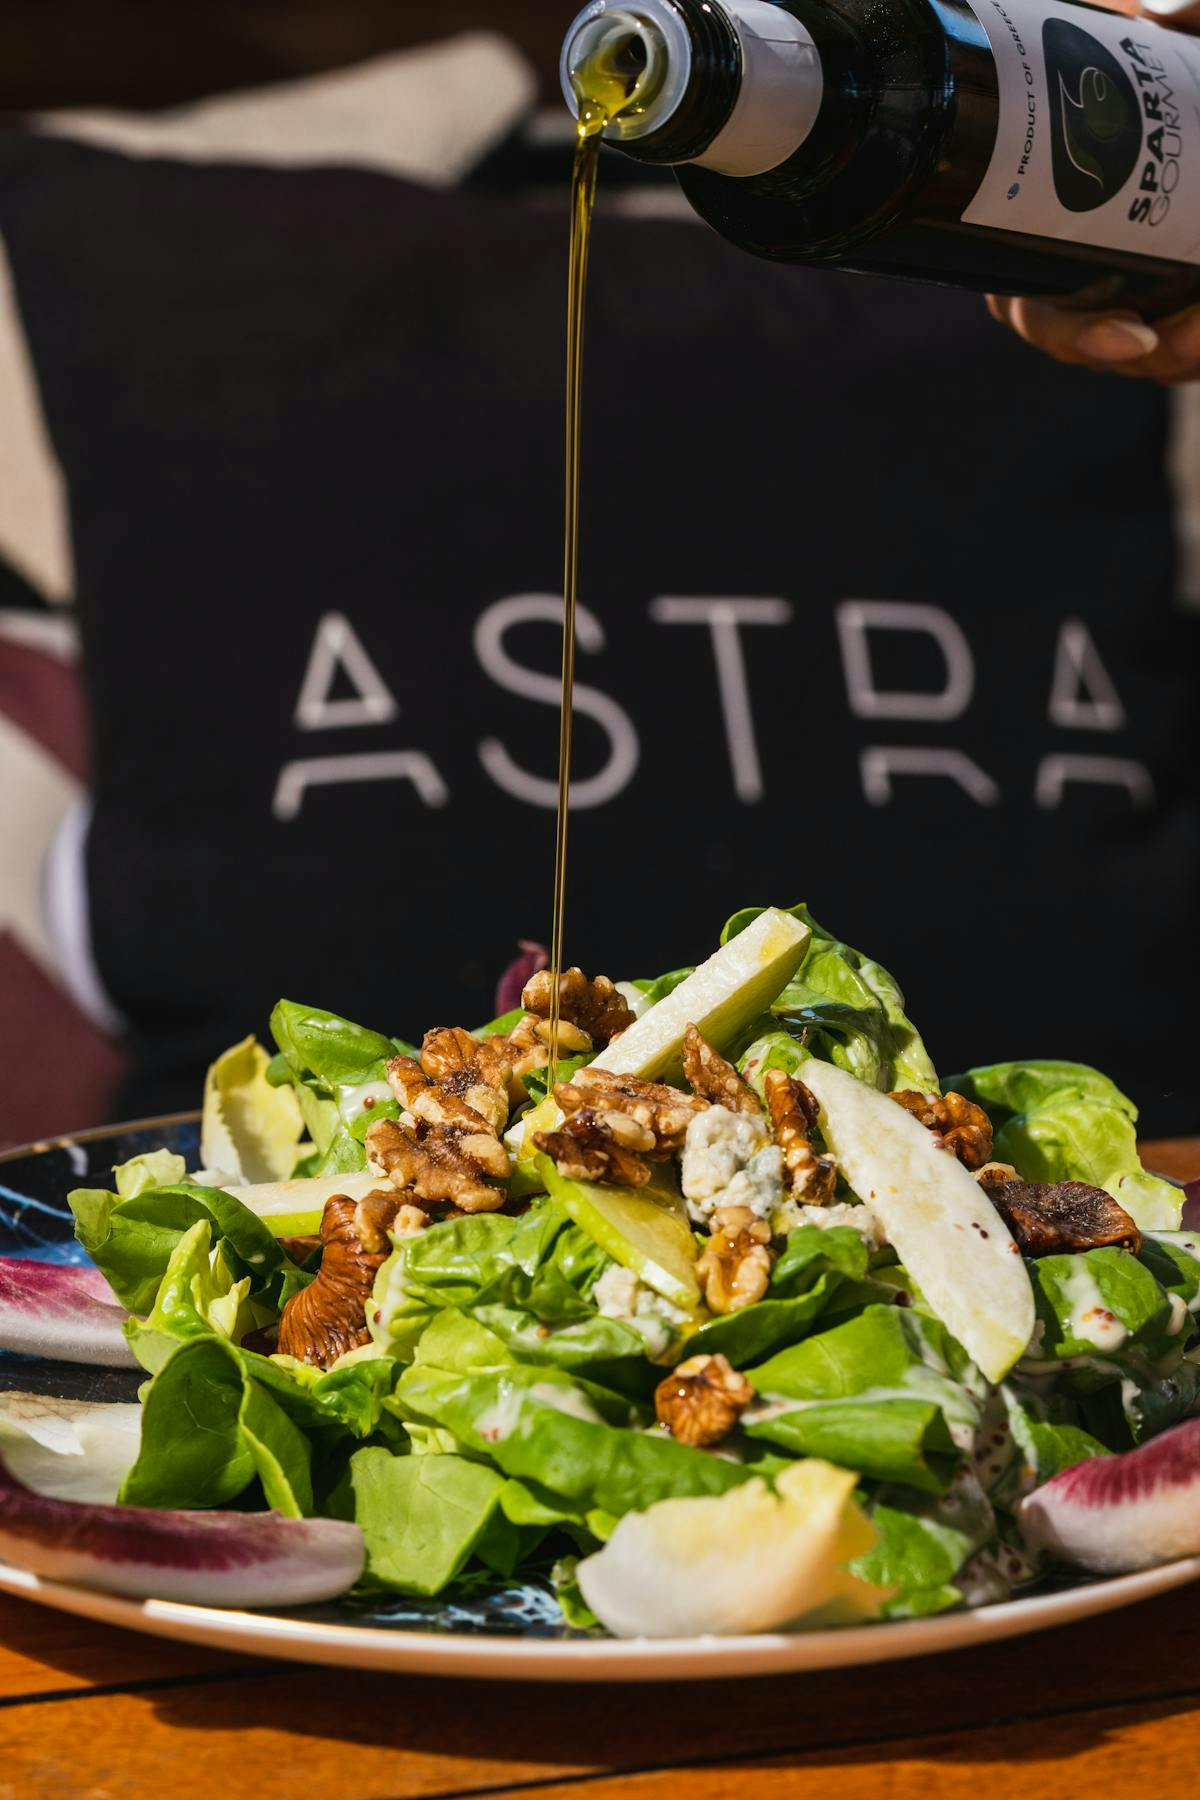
[499, 1657]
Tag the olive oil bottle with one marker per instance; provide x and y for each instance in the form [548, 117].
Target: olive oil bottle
[1015, 146]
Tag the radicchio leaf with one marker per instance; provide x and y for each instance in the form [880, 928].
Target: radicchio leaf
[61, 1311]
[509, 988]
[1117, 1513]
[198, 1558]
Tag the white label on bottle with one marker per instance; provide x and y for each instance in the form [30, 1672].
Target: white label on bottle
[1098, 136]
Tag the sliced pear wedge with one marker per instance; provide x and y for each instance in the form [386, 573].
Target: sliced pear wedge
[937, 1218]
[294, 1208]
[720, 998]
[644, 1229]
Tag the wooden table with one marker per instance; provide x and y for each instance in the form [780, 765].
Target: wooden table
[1107, 1708]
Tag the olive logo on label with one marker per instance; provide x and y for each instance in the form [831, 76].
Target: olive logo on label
[1096, 127]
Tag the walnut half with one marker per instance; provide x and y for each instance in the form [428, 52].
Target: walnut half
[963, 1127]
[329, 1317]
[736, 1265]
[435, 1162]
[714, 1079]
[793, 1111]
[593, 1006]
[702, 1400]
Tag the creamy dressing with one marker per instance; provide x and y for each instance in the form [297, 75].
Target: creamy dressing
[1090, 1320]
[353, 1101]
[1180, 1315]
[566, 1400]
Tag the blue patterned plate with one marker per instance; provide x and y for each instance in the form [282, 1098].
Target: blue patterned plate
[509, 1632]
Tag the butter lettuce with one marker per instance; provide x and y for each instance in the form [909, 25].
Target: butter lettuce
[339, 1073]
[537, 1263]
[876, 1394]
[1063, 1121]
[869, 1033]
[422, 1516]
[208, 1430]
[157, 1168]
[540, 1426]
[132, 1240]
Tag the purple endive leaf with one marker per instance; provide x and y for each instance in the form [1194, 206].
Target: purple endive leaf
[1191, 1205]
[1116, 1513]
[508, 989]
[63, 1312]
[199, 1558]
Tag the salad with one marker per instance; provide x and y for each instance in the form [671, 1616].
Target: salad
[740, 1319]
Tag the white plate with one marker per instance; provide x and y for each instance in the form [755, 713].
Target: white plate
[503, 1658]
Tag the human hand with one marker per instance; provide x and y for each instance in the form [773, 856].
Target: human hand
[1116, 340]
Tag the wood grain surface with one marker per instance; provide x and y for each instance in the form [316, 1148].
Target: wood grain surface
[1109, 1707]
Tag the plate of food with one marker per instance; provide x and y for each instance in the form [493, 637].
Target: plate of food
[729, 1338]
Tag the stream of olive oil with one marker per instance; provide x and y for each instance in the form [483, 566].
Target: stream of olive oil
[604, 88]
[605, 85]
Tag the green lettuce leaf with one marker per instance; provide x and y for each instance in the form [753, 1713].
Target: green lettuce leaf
[810, 1277]
[208, 1429]
[537, 1263]
[1062, 1121]
[545, 1429]
[1096, 1306]
[197, 1297]
[422, 1516]
[866, 1029]
[876, 1394]
[132, 1240]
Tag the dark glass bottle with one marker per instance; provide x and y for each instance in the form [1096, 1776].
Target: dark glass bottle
[1018, 146]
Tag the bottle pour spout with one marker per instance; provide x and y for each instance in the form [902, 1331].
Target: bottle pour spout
[735, 87]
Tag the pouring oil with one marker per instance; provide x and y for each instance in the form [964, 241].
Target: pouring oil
[610, 79]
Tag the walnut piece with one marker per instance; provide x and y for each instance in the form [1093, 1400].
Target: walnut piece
[963, 1127]
[477, 1070]
[593, 1006]
[793, 1114]
[432, 1162]
[996, 1171]
[328, 1317]
[616, 1125]
[713, 1078]
[702, 1400]
[587, 1149]
[1061, 1218]
[736, 1265]
[665, 1112]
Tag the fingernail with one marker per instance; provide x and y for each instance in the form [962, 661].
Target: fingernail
[1116, 340]
[1165, 9]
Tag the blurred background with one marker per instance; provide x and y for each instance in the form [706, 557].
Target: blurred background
[882, 611]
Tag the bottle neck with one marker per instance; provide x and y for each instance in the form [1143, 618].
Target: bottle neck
[734, 87]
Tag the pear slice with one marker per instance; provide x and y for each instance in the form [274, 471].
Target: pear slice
[937, 1218]
[294, 1208]
[720, 998]
[644, 1229]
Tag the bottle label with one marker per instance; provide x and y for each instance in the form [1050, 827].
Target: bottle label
[1098, 135]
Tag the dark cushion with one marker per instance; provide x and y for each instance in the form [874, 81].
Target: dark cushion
[282, 398]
